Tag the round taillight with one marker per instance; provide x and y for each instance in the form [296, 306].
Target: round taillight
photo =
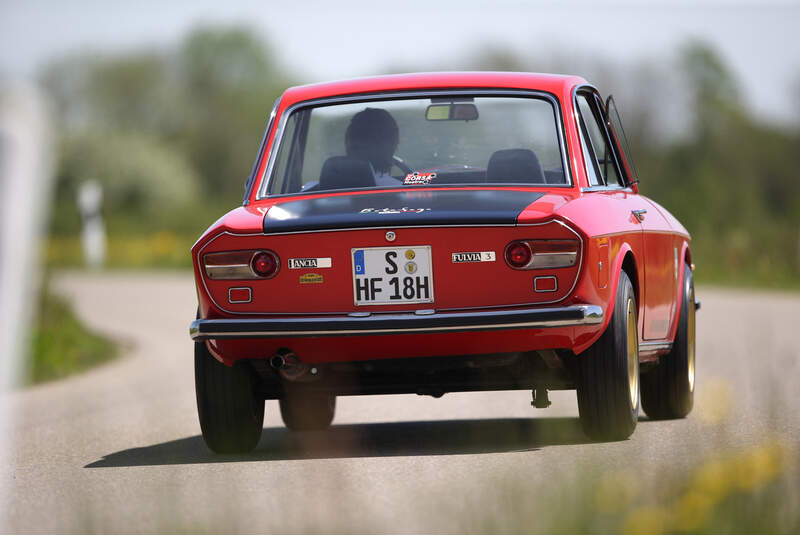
[518, 254]
[264, 264]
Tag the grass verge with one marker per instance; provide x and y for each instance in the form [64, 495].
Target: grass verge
[735, 490]
[146, 251]
[60, 344]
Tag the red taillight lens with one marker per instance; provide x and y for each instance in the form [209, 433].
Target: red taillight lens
[265, 264]
[518, 254]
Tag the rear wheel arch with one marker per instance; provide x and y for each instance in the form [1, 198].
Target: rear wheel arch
[624, 261]
[686, 256]
[629, 267]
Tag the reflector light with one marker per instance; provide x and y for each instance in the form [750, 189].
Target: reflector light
[264, 264]
[542, 254]
[240, 295]
[518, 254]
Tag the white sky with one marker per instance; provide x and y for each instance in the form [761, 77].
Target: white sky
[321, 40]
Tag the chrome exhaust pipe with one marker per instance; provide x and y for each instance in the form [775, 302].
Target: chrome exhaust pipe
[277, 362]
[290, 368]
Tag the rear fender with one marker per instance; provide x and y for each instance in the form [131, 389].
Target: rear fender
[636, 280]
[607, 296]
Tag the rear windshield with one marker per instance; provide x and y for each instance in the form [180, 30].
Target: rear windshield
[413, 142]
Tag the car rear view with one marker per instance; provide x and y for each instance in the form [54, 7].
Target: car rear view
[405, 241]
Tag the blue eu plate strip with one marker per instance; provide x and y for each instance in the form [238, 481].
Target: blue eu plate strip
[358, 261]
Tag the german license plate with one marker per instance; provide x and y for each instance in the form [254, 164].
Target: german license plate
[392, 275]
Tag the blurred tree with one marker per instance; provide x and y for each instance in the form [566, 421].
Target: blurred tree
[713, 89]
[731, 179]
[496, 58]
[229, 81]
[131, 92]
[163, 128]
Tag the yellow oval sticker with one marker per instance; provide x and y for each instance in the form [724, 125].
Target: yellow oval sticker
[310, 278]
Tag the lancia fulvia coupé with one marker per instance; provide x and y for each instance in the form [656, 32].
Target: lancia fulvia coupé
[435, 233]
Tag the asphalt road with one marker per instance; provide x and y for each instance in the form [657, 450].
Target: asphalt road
[118, 449]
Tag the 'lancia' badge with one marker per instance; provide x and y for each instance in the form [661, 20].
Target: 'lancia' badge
[390, 236]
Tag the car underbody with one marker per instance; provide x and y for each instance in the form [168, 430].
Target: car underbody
[433, 376]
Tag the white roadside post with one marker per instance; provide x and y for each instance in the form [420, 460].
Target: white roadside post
[93, 232]
[25, 177]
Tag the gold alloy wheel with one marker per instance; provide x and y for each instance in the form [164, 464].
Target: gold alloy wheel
[690, 336]
[633, 355]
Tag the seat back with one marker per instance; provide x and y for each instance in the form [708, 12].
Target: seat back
[515, 165]
[343, 172]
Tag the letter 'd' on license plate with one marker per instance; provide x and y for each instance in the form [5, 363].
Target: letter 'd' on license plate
[392, 275]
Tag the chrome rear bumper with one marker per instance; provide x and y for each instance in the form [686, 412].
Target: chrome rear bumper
[406, 323]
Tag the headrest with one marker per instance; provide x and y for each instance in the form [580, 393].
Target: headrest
[515, 165]
[343, 172]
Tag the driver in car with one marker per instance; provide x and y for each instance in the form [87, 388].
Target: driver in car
[373, 136]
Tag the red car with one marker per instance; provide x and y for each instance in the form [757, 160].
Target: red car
[434, 233]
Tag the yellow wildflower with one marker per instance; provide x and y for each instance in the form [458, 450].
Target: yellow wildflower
[616, 492]
[760, 465]
[713, 480]
[691, 511]
[716, 401]
[651, 520]
[164, 243]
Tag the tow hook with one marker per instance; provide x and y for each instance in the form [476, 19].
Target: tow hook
[540, 398]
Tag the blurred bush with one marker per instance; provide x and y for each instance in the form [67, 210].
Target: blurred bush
[138, 174]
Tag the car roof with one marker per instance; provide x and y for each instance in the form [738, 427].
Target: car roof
[557, 84]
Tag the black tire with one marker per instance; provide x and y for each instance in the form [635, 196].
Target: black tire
[230, 411]
[608, 386]
[307, 411]
[668, 388]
